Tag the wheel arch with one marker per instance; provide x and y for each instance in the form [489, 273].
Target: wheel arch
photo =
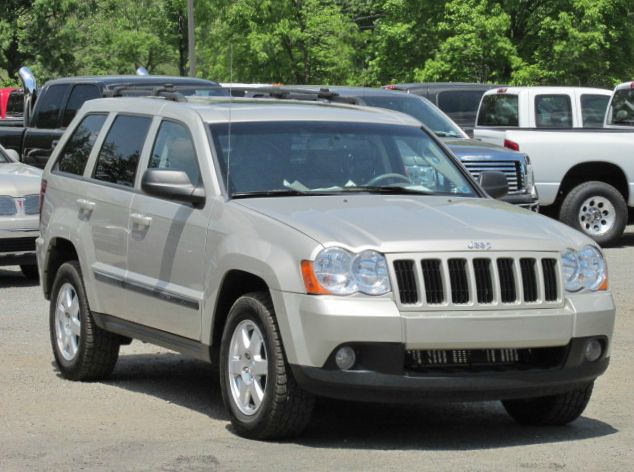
[606, 172]
[60, 250]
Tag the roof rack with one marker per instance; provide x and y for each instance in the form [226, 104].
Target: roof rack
[323, 94]
[167, 91]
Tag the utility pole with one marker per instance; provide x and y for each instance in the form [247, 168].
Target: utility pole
[190, 38]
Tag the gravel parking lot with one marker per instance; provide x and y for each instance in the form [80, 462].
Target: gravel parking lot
[162, 411]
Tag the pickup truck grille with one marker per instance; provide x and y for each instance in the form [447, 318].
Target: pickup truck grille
[32, 204]
[7, 206]
[478, 281]
[512, 170]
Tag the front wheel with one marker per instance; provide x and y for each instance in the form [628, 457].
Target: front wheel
[597, 209]
[553, 410]
[258, 388]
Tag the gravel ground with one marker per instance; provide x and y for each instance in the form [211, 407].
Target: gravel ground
[162, 411]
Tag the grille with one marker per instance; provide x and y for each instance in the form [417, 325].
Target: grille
[17, 245]
[483, 359]
[32, 204]
[470, 282]
[7, 206]
[512, 170]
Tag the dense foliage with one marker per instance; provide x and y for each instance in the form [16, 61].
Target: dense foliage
[369, 42]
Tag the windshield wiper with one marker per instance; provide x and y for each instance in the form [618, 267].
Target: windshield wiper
[393, 189]
[446, 134]
[288, 192]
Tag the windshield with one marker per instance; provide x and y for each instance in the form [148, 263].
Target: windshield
[621, 110]
[291, 158]
[421, 109]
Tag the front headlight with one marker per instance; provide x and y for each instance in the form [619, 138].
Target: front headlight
[339, 272]
[584, 269]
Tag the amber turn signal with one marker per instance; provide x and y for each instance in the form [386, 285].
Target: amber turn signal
[310, 280]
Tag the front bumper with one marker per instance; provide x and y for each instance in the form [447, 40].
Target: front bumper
[388, 381]
[17, 242]
[524, 200]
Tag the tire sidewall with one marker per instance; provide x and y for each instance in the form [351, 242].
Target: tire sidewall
[572, 206]
[67, 273]
[247, 308]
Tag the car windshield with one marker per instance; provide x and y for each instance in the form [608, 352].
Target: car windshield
[421, 109]
[296, 158]
[621, 110]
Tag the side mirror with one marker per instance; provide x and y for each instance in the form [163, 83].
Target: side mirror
[494, 183]
[172, 185]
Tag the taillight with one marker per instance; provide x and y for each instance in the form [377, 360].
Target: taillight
[511, 145]
[42, 194]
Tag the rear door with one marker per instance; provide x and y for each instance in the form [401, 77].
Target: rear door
[107, 208]
[166, 244]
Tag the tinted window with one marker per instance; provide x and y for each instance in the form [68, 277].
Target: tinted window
[119, 154]
[498, 110]
[593, 110]
[75, 155]
[49, 103]
[15, 105]
[622, 108]
[553, 111]
[333, 157]
[174, 149]
[78, 96]
[464, 101]
[420, 108]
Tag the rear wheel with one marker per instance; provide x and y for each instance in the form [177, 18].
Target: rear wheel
[597, 209]
[258, 388]
[82, 350]
[553, 410]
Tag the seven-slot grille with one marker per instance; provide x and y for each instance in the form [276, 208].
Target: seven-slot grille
[8, 206]
[478, 280]
[512, 170]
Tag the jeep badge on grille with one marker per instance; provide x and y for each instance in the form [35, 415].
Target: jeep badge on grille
[479, 245]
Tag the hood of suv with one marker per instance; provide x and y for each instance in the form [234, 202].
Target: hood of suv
[472, 149]
[18, 180]
[406, 223]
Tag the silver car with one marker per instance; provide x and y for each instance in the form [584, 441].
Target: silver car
[312, 249]
[19, 212]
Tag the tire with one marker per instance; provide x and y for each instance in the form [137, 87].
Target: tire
[92, 354]
[580, 203]
[30, 272]
[285, 409]
[554, 410]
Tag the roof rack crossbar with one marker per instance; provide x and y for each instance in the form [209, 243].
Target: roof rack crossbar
[167, 91]
[323, 94]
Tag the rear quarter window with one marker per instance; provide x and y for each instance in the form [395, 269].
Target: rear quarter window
[553, 111]
[119, 154]
[73, 158]
[499, 110]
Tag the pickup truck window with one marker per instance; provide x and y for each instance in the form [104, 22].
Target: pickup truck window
[174, 149]
[75, 154]
[553, 111]
[294, 158]
[622, 108]
[78, 96]
[499, 110]
[593, 110]
[15, 105]
[48, 107]
[119, 154]
[460, 103]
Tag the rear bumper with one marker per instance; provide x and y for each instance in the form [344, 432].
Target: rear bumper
[394, 385]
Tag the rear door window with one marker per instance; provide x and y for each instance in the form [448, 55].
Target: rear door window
[119, 155]
[593, 110]
[553, 111]
[49, 105]
[78, 96]
[77, 150]
[499, 110]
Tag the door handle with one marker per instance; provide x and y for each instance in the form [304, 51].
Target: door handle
[86, 205]
[141, 220]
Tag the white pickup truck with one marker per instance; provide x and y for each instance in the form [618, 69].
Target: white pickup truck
[584, 173]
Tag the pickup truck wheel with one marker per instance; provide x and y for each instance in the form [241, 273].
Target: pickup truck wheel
[82, 350]
[258, 388]
[30, 271]
[597, 209]
[554, 410]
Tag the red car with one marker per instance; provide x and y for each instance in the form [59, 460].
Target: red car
[11, 103]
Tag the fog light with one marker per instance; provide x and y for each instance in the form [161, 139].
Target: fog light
[345, 358]
[593, 350]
